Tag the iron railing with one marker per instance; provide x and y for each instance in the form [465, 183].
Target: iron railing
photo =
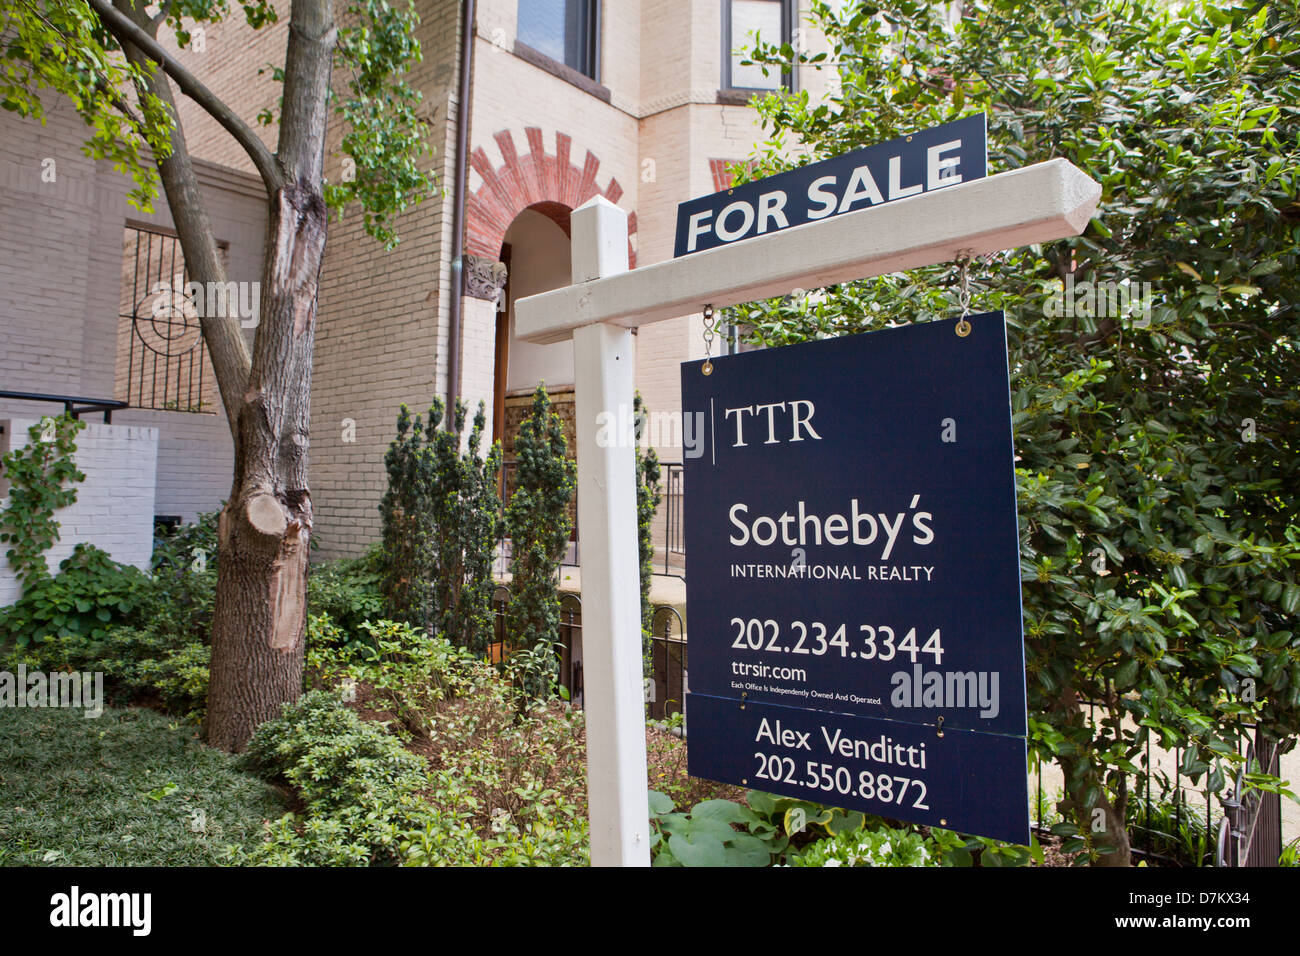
[673, 505]
[72, 405]
[1251, 831]
[1245, 832]
[666, 681]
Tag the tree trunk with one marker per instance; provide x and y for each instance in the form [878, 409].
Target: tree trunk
[1104, 829]
[258, 639]
[264, 533]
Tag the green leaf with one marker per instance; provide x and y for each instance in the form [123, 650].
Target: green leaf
[660, 803]
[697, 849]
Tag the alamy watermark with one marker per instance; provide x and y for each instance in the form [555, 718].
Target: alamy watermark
[207, 300]
[62, 689]
[1103, 299]
[625, 428]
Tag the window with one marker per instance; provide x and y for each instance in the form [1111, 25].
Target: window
[568, 31]
[162, 361]
[772, 20]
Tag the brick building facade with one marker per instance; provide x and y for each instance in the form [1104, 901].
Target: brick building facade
[633, 100]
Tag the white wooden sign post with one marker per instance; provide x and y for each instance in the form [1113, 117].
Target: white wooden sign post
[606, 301]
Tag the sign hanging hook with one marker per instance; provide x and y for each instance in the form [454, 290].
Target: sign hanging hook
[963, 293]
[710, 327]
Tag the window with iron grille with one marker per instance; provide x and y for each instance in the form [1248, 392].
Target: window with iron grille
[162, 361]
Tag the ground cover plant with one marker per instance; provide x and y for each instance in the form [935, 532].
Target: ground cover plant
[131, 787]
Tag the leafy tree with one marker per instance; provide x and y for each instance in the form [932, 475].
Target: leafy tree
[441, 518]
[537, 520]
[1157, 462]
[106, 58]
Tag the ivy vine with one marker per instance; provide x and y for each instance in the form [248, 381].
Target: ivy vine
[40, 475]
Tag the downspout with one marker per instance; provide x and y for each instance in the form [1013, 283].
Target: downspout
[467, 32]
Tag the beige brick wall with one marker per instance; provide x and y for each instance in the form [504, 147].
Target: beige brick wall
[61, 285]
[382, 321]
[381, 330]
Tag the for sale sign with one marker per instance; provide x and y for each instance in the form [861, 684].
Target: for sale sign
[853, 583]
[923, 161]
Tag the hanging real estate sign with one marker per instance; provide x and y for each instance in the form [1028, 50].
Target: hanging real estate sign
[927, 160]
[853, 582]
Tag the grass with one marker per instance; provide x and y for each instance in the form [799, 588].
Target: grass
[121, 790]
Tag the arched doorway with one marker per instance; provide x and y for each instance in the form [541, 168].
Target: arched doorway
[535, 250]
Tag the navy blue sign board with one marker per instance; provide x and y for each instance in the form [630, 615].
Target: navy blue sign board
[927, 160]
[853, 589]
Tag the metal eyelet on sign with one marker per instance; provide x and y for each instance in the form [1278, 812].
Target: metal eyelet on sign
[963, 328]
[710, 327]
[940, 725]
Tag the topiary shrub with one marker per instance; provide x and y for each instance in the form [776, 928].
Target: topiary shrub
[537, 520]
[441, 518]
[648, 495]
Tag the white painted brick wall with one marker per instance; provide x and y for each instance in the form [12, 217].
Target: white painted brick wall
[115, 504]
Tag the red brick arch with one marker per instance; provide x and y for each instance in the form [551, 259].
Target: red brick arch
[550, 184]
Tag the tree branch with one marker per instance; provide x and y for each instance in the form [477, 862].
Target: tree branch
[163, 9]
[128, 32]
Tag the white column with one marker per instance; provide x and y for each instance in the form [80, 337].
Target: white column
[604, 362]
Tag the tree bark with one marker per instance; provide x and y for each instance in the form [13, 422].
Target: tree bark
[264, 533]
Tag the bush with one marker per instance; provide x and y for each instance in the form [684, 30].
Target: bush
[368, 801]
[147, 633]
[537, 519]
[441, 518]
[157, 666]
[884, 846]
[184, 584]
[83, 601]
[331, 756]
[348, 591]
[408, 672]
[707, 835]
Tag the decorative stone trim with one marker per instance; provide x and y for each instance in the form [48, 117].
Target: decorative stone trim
[552, 184]
[484, 278]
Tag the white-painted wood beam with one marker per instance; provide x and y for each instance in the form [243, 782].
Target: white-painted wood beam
[1038, 203]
